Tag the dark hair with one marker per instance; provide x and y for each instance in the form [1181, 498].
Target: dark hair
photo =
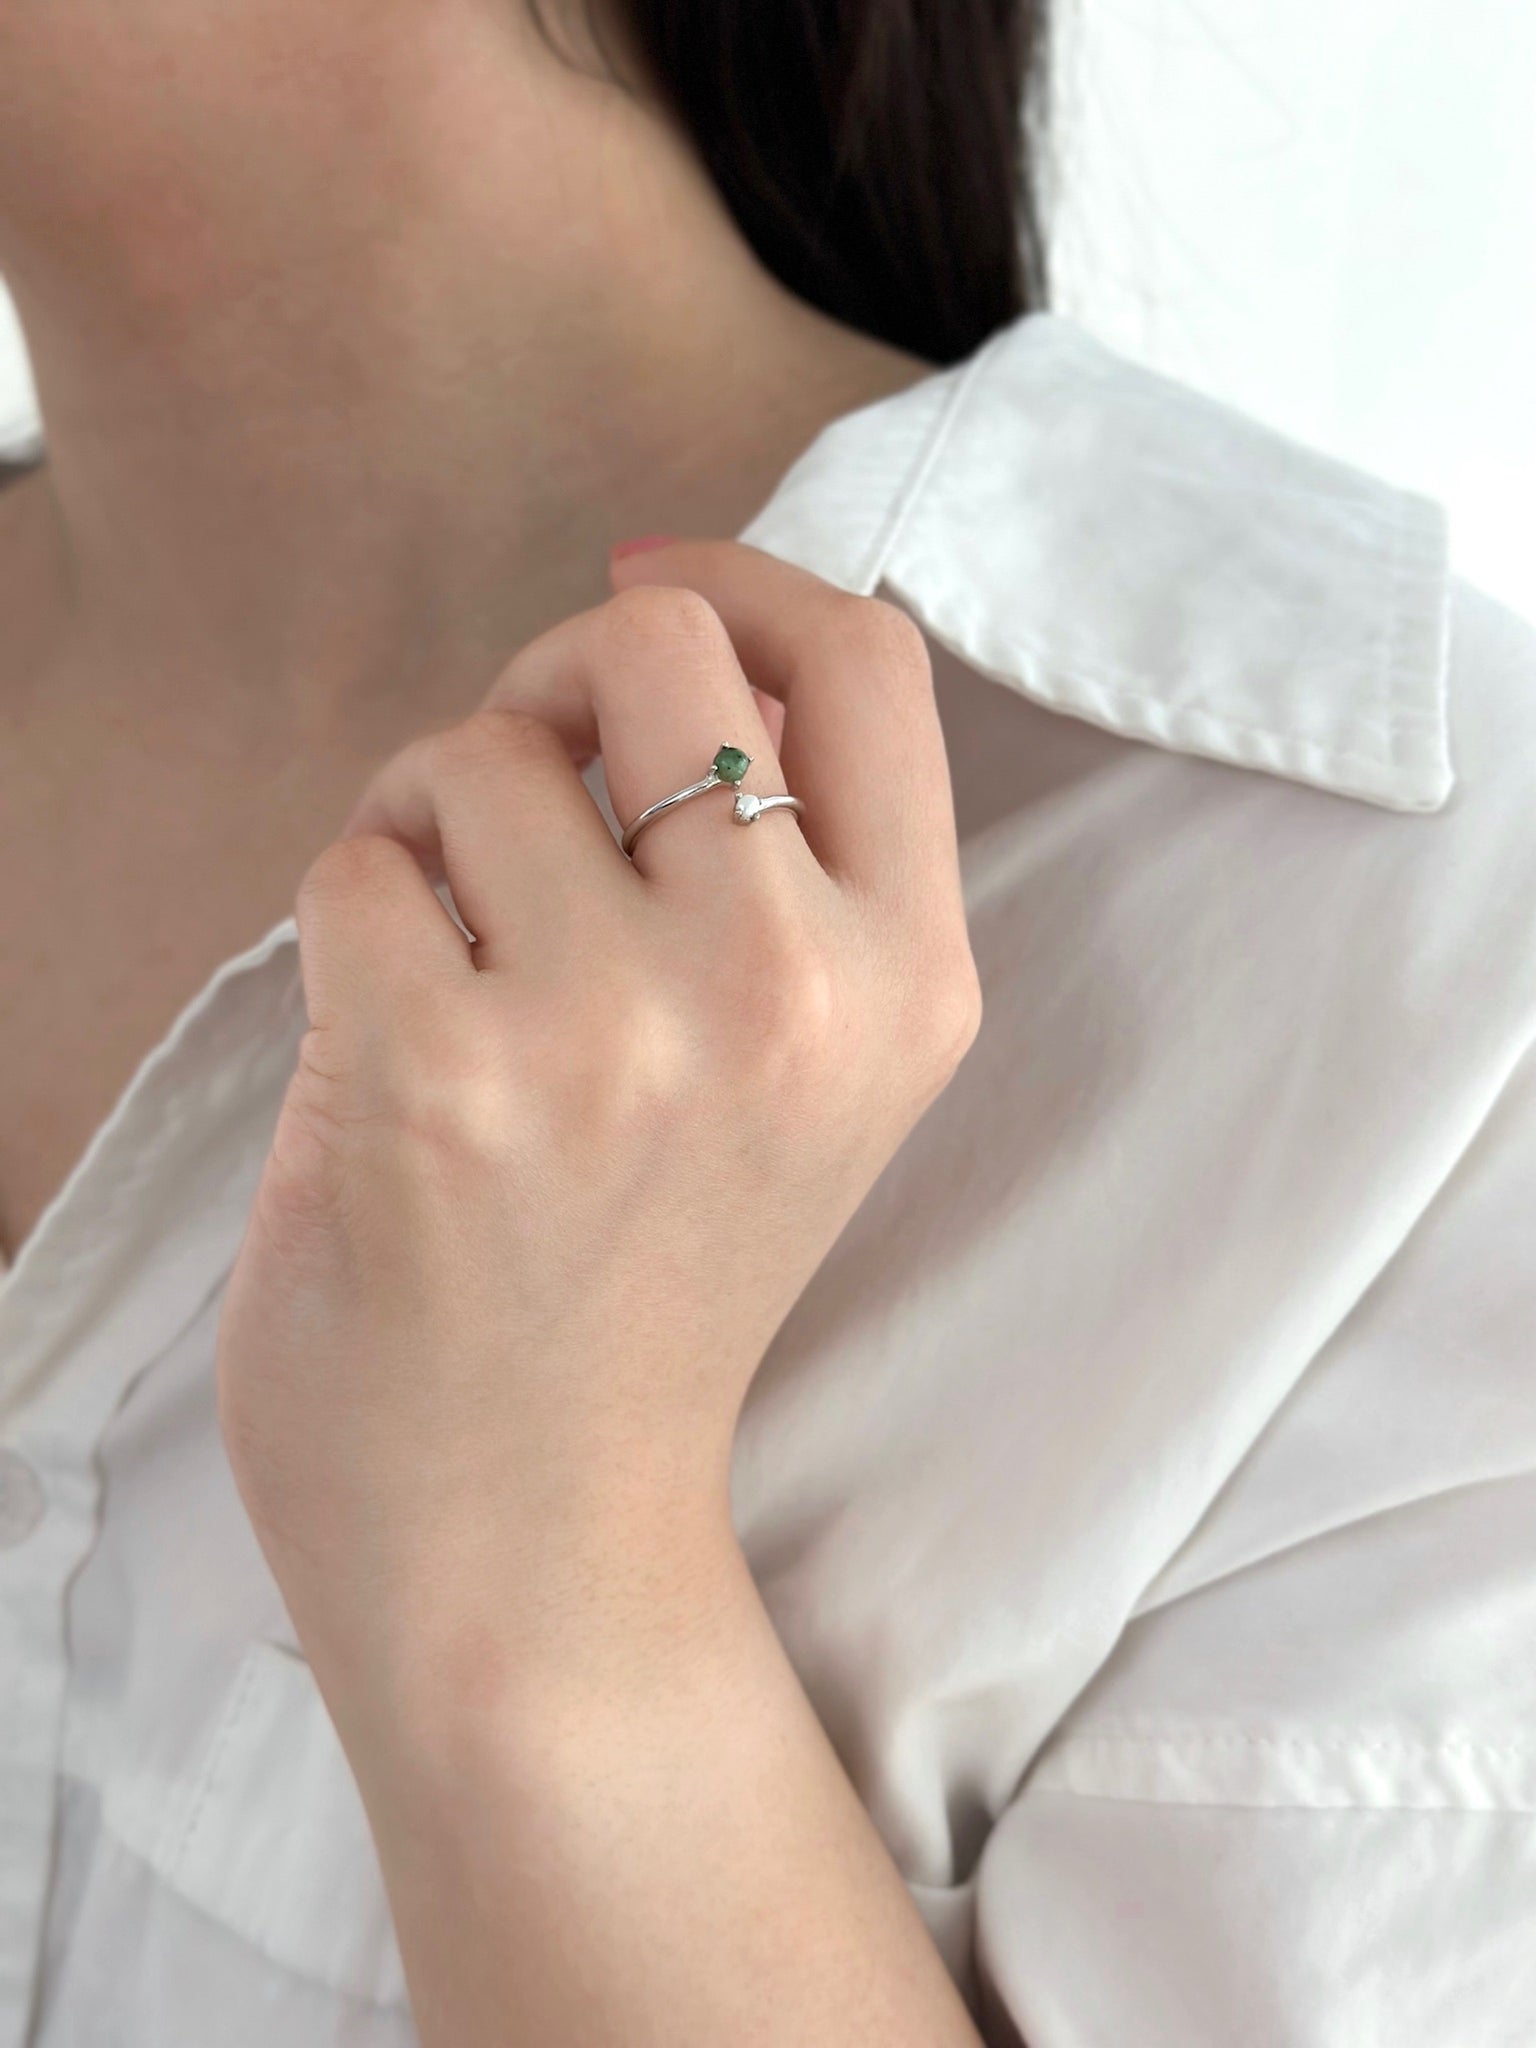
[875, 153]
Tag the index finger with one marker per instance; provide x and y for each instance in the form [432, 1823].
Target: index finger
[862, 743]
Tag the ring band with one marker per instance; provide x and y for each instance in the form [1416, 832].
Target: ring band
[726, 771]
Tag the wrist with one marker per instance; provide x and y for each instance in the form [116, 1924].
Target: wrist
[510, 1654]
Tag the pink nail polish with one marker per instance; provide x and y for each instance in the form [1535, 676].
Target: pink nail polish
[642, 546]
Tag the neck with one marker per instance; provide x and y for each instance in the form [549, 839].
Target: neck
[334, 470]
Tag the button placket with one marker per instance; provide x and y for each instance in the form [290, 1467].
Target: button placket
[126, 1255]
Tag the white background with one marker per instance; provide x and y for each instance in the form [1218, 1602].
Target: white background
[1322, 210]
[1325, 211]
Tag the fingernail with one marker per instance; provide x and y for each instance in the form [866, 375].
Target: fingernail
[642, 546]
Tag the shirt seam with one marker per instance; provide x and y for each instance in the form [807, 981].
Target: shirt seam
[1341, 1744]
[1317, 1810]
[177, 1860]
[1247, 1770]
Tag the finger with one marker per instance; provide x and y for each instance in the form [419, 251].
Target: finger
[653, 678]
[862, 741]
[373, 936]
[545, 694]
[496, 806]
[771, 711]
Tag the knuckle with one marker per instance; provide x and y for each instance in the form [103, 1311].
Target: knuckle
[422, 1074]
[793, 1009]
[493, 735]
[349, 868]
[451, 1113]
[634, 1067]
[444, 1107]
[949, 1015]
[884, 633]
[657, 614]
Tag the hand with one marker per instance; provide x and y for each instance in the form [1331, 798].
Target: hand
[537, 1203]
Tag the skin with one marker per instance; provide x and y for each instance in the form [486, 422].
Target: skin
[334, 430]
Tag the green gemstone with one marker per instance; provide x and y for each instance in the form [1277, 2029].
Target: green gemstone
[730, 764]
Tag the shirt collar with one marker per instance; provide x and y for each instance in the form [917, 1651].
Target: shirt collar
[1119, 547]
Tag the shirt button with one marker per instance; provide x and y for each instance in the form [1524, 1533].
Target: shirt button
[22, 1500]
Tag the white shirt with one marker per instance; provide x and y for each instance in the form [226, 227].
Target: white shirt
[1144, 1488]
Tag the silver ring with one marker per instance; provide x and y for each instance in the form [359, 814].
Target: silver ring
[726, 771]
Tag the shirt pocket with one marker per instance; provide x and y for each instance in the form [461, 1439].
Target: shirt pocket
[270, 1838]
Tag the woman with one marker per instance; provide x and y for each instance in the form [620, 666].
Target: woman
[591, 1454]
